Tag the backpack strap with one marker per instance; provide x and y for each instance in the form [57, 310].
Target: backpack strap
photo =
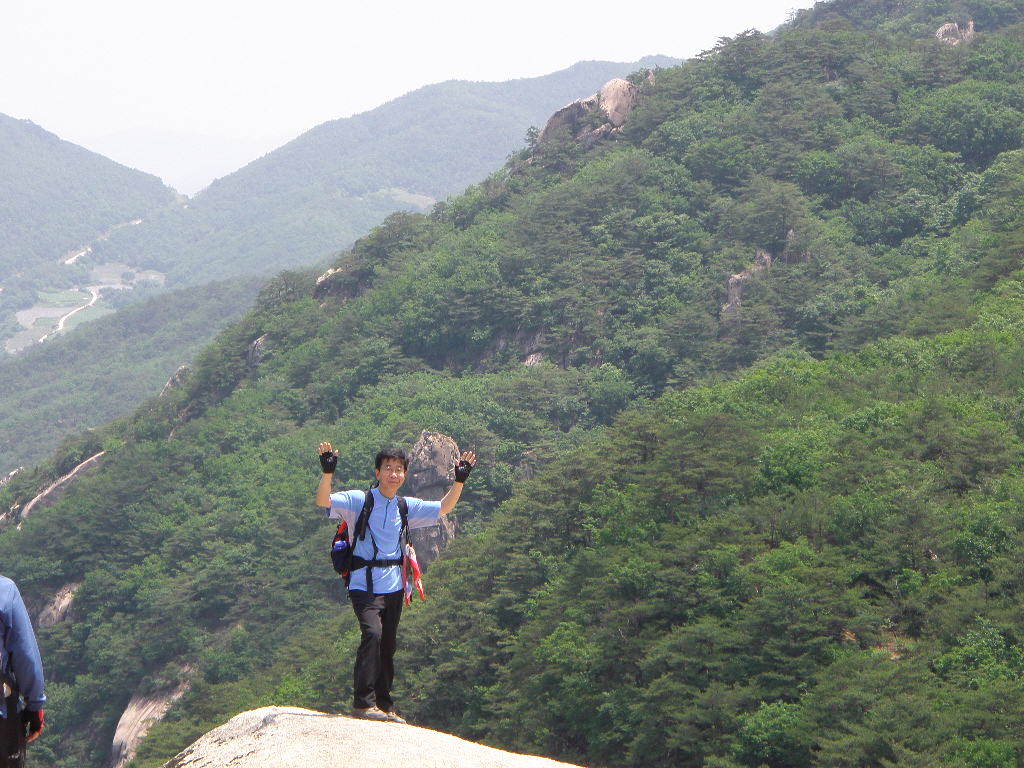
[403, 508]
[363, 521]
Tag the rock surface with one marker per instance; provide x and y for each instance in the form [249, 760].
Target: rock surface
[341, 284]
[431, 473]
[615, 101]
[142, 713]
[290, 737]
[177, 379]
[58, 608]
[953, 34]
[257, 351]
[57, 488]
[737, 282]
[9, 476]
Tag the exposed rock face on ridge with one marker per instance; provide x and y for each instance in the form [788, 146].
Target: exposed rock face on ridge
[290, 737]
[953, 34]
[56, 489]
[431, 465]
[615, 100]
[257, 351]
[58, 608]
[737, 282]
[9, 476]
[341, 284]
[142, 713]
[177, 379]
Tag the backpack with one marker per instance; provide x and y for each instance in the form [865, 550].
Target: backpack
[341, 547]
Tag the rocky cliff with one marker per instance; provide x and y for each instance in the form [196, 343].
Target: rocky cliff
[290, 737]
[431, 473]
[59, 486]
[612, 105]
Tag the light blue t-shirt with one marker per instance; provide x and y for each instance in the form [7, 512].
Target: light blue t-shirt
[385, 526]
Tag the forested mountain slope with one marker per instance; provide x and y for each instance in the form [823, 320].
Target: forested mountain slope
[293, 207]
[105, 369]
[321, 191]
[746, 383]
[56, 197]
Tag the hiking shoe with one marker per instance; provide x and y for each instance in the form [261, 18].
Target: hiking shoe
[394, 717]
[370, 713]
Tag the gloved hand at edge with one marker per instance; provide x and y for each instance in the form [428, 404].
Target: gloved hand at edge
[33, 720]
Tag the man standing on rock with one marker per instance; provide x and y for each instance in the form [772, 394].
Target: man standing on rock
[21, 675]
[377, 591]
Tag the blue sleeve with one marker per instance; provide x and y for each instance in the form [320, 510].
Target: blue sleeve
[23, 658]
[346, 505]
[423, 513]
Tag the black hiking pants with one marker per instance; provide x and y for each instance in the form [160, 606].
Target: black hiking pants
[12, 736]
[375, 660]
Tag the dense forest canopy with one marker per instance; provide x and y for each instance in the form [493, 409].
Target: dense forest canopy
[292, 208]
[755, 499]
[84, 379]
[57, 196]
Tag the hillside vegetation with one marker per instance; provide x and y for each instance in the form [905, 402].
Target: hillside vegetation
[321, 191]
[292, 208]
[98, 372]
[56, 197]
[775, 524]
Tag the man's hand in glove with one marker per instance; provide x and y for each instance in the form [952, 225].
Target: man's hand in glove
[465, 466]
[328, 459]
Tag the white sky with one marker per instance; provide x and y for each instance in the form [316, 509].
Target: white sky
[193, 89]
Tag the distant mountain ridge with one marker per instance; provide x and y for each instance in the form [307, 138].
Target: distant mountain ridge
[55, 195]
[318, 193]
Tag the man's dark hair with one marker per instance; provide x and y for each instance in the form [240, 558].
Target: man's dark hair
[391, 453]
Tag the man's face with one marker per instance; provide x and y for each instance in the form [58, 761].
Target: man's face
[391, 475]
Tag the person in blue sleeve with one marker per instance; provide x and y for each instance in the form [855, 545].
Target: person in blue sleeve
[377, 593]
[21, 672]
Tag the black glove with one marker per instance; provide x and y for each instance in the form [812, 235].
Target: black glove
[33, 720]
[329, 461]
[462, 470]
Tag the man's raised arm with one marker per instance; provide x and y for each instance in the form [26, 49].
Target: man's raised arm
[328, 462]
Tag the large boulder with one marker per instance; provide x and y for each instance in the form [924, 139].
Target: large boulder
[291, 737]
[431, 473]
[613, 105]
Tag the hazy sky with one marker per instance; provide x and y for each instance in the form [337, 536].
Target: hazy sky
[193, 89]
